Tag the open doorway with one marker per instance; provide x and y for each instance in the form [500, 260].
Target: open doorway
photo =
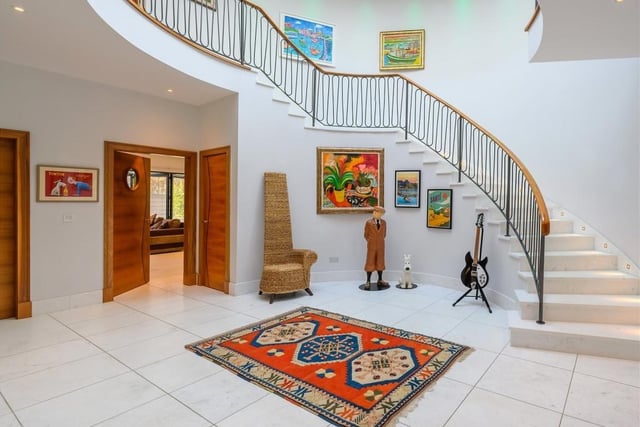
[116, 265]
[166, 224]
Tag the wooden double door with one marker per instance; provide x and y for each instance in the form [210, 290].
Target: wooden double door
[127, 213]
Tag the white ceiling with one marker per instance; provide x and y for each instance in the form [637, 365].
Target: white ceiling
[67, 37]
[588, 29]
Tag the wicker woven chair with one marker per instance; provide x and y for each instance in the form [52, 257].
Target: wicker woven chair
[285, 270]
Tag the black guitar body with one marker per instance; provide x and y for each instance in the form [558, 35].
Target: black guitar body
[473, 276]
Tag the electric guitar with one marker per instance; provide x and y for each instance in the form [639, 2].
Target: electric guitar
[474, 275]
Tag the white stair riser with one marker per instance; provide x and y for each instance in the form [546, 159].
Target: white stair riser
[582, 313]
[575, 262]
[561, 226]
[575, 242]
[593, 286]
[570, 343]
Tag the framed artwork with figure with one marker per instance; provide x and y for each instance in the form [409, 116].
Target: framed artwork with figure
[67, 184]
[349, 180]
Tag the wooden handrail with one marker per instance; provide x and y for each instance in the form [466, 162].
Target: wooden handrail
[533, 18]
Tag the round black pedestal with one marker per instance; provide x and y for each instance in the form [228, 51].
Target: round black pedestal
[373, 287]
[411, 286]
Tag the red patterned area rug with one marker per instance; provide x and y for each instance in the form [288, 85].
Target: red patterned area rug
[348, 371]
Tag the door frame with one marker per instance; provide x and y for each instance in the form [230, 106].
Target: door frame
[23, 219]
[189, 275]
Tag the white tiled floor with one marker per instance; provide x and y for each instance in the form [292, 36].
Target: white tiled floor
[124, 364]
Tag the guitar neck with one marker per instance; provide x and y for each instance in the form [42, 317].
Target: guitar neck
[476, 248]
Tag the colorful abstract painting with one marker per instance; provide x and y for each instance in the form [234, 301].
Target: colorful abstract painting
[313, 38]
[350, 180]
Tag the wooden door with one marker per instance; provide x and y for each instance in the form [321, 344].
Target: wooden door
[15, 290]
[214, 217]
[131, 207]
[8, 272]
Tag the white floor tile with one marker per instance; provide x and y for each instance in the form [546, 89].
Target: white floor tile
[9, 420]
[485, 409]
[219, 396]
[4, 408]
[622, 371]
[436, 405]
[603, 402]
[546, 357]
[574, 422]
[90, 312]
[18, 336]
[43, 385]
[131, 334]
[530, 382]
[162, 412]
[477, 335]
[430, 324]
[473, 366]
[92, 404]
[178, 371]
[36, 360]
[218, 326]
[149, 351]
[272, 411]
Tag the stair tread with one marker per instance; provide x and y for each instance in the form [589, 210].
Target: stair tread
[582, 299]
[582, 252]
[582, 274]
[612, 331]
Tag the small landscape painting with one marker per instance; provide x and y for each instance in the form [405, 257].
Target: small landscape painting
[402, 50]
[407, 189]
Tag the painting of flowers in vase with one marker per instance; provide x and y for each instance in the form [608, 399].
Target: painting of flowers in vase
[350, 180]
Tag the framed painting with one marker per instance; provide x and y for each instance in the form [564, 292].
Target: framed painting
[349, 180]
[67, 184]
[402, 50]
[407, 189]
[439, 208]
[211, 4]
[313, 38]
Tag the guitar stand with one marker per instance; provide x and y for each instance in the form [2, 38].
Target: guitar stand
[479, 294]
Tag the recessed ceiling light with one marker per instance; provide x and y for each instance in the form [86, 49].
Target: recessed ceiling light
[169, 90]
[18, 9]
[619, 1]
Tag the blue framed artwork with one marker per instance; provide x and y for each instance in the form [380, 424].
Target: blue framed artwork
[407, 193]
[313, 38]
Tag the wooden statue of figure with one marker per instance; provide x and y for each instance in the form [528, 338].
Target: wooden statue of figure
[375, 230]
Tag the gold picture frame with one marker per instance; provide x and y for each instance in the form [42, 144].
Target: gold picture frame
[402, 50]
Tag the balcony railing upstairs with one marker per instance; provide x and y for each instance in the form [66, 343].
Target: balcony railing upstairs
[240, 32]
